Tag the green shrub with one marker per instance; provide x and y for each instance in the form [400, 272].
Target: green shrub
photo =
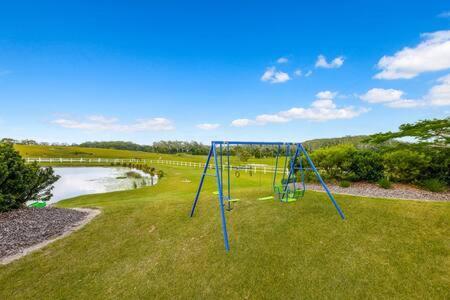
[367, 165]
[21, 182]
[434, 185]
[404, 165]
[336, 161]
[385, 183]
[344, 183]
[160, 174]
[133, 174]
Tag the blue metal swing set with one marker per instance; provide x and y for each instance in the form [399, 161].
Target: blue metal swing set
[287, 191]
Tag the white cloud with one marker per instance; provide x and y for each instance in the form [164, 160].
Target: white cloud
[322, 109]
[444, 14]
[298, 72]
[378, 95]
[390, 97]
[101, 123]
[208, 126]
[282, 60]
[326, 95]
[432, 54]
[273, 76]
[335, 63]
[266, 118]
[309, 73]
[102, 119]
[405, 103]
[241, 122]
[438, 95]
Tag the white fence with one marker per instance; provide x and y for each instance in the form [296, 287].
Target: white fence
[255, 168]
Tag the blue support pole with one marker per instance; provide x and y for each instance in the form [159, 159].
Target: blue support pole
[313, 167]
[302, 173]
[221, 206]
[291, 170]
[221, 165]
[228, 172]
[276, 166]
[201, 181]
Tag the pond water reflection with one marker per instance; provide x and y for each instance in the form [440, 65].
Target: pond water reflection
[76, 181]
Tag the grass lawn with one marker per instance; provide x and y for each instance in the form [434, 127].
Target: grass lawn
[77, 152]
[144, 245]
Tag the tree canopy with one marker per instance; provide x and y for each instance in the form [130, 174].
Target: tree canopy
[21, 182]
[435, 132]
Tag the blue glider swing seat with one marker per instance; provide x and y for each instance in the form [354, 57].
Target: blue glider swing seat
[287, 191]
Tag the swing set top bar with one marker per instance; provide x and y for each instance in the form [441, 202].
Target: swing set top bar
[252, 143]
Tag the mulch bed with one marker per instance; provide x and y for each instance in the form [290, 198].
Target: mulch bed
[25, 227]
[398, 191]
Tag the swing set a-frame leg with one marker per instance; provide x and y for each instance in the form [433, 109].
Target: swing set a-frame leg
[221, 205]
[325, 187]
[212, 152]
[194, 205]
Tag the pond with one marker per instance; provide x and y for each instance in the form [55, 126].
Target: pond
[76, 181]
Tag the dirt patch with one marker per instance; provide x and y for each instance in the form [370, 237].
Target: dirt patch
[25, 230]
[398, 191]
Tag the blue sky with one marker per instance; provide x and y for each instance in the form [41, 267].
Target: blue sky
[190, 70]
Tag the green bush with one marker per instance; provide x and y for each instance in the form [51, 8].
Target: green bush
[367, 165]
[160, 174]
[336, 161]
[344, 183]
[434, 185]
[21, 182]
[133, 174]
[385, 183]
[404, 165]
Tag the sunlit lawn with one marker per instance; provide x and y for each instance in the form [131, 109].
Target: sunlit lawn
[144, 245]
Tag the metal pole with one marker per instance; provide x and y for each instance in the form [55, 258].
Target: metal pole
[313, 167]
[221, 206]
[276, 165]
[228, 175]
[201, 181]
[291, 169]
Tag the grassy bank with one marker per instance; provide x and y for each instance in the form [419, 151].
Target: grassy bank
[82, 152]
[144, 245]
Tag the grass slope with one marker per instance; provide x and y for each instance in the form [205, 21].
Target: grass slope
[77, 152]
[144, 245]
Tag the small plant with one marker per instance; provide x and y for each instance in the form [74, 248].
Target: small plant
[433, 185]
[385, 183]
[344, 183]
[160, 174]
[132, 174]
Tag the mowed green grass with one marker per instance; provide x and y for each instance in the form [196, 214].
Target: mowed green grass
[82, 152]
[144, 245]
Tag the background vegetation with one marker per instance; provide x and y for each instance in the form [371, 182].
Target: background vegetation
[21, 182]
[144, 246]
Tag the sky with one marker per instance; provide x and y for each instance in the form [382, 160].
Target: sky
[143, 71]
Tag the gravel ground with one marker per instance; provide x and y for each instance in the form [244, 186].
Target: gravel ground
[22, 228]
[398, 191]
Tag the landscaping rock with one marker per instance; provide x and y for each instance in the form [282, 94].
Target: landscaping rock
[398, 191]
[22, 228]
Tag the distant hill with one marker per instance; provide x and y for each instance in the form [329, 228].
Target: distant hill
[320, 143]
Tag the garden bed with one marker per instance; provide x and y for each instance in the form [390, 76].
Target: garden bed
[398, 191]
[28, 229]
